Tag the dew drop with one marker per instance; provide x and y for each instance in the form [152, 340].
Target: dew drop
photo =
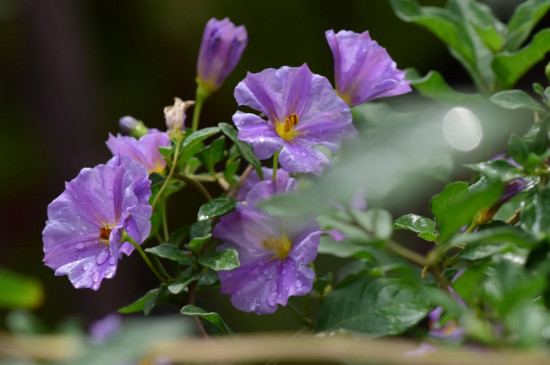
[102, 257]
[85, 267]
[252, 306]
[298, 284]
[95, 277]
[79, 246]
[112, 260]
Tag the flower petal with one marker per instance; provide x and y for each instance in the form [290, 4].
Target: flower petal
[295, 158]
[259, 133]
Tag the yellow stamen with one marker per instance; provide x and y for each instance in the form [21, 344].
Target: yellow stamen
[281, 246]
[105, 232]
[286, 129]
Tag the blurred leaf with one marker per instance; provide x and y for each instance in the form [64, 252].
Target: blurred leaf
[535, 214]
[212, 317]
[212, 154]
[499, 234]
[467, 284]
[244, 148]
[139, 304]
[518, 149]
[497, 170]
[434, 86]
[510, 67]
[378, 306]
[525, 17]
[516, 99]
[452, 193]
[178, 286]
[223, 260]
[479, 251]
[216, 208]
[490, 37]
[22, 322]
[18, 291]
[177, 236]
[376, 222]
[424, 227]
[170, 252]
[344, 248]
[342, 223]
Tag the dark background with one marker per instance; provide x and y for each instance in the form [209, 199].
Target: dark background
[70, 69]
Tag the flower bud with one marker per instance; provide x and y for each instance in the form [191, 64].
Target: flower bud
[132, 127]
[221, 49]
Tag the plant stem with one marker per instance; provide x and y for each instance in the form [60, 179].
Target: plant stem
[275, 165]
[164, 222]
[146, 259]
[406, 253]
[197, 185]
[171, 173]
[200, 96]
[192, 300]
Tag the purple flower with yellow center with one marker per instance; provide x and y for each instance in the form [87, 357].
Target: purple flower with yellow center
[273, 253]
[302, 111]
[363, 69]
[144, 150]
[221, 48]
[83, 237]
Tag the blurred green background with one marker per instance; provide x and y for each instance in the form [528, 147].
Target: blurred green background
[70, 69]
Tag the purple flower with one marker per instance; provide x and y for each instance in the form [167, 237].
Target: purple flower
[103, 329]
[363, 70]
[283, 178]
[144, 150]
[273, 253]
[86, 223]
[221, 49]
[302, 111]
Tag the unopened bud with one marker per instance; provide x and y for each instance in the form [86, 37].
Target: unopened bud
[131, 126]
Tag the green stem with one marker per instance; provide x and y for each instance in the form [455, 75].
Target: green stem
[406, 253]
[200, 96]
[171, 173]
[197, 185]
[164, 222]
[145, 258]
[275, 164]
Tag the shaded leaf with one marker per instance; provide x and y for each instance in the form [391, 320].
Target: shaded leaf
[516, 99]
[212, 317]
[415, 223]
[18, 291]
[170, 252]
[178, 286]
[525, 17]
[139, 304]
[245, 150]
[497, 170]
[216, 208]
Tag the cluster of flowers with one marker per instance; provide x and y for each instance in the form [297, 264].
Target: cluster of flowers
[105, 212]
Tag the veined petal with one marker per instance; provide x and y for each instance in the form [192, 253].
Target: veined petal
[259, 133]
[296, 158]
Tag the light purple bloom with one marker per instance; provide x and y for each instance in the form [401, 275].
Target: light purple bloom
[302, 111]
[85, 227]
[221, 49]
[283, 178]
[144, 150]
[364, 70]
[273, 253]
[104, 329]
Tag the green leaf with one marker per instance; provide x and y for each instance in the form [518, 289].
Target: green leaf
[497, 170]
[518, 149]
[343, 248]
[223, 260]
[231, 170]
[467, 284]
[434, 86]
[516, 99]
[498, 234]
[199, 136]
[170, 252]
[510, 67]
[18, 291]
[525, 17]
[178, 286]
[417, 224]
[535, 215]
[179, 234]
[212, 317]
[216, 208]
[139, 304]
[475, 252]
[490, 37]
[212, 154]
[452, 193]
[377, 222]
[343, 224]
[462, 211]
[244, 148]
[196, 243]
[378, 306]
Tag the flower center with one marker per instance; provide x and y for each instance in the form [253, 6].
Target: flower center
[105, 232]
[286, 129]
[281, 246]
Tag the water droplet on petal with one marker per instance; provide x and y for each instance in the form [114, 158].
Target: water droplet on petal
[102, 257]
[298, 284]
[85, 267]
[252, 306]
[95, 277]
[79, 246]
